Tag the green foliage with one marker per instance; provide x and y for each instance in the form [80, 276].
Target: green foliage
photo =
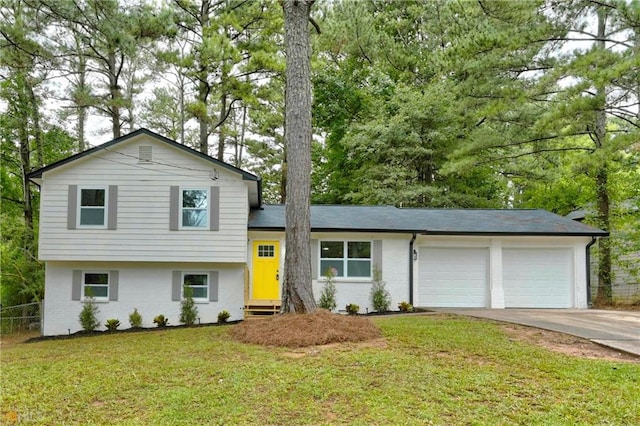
[328, 293]
[135, 319]
[89, 315]
[161, 320]
[405, 307]
[380, 297]
[112, 324]
[223, 316]
[352, 309]
[188, 308]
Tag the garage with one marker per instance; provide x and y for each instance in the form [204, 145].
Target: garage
[537, 278]
[453, 277]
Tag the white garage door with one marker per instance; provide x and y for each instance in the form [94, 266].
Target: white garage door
[537, 278]
[453, 277]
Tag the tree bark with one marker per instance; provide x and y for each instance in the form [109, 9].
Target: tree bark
[604, 294]
[114, 93]
[297, 286]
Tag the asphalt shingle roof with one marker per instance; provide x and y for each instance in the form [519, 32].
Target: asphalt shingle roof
[342, 218]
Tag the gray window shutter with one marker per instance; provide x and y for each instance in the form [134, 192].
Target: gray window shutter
[112, 214]
[214, 208]
[176, 286]
[174, 208]
[113, 285]
[72, 207]
[76, 285]
[213, 286]
[314, 259]
[377, 254]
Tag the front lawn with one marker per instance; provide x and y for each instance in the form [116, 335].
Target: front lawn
[432, 370]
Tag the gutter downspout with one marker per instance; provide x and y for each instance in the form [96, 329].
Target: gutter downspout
[588, 262]
[413, 238]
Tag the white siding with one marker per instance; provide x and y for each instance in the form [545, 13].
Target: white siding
[142, 232]
[145, 286]
[395, 272]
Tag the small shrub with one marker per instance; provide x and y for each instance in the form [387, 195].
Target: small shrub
[188, 308]
[89, 315]
[112, 324]
[352, 309]
[135, 319]
[380, 297]
[328, 294]
[161, 320]
[223, 316]
[405, 307]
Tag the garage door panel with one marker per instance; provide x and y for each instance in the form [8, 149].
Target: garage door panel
[537, 278]
[453, 277]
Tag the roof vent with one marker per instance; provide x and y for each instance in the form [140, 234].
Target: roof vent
[145, 154]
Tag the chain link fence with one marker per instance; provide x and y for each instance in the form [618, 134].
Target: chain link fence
[20, 318]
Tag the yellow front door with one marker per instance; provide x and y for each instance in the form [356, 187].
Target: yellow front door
[266, 274]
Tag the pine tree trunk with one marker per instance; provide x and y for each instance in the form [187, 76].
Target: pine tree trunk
[297, 288]
[114, 92]
[604, 294]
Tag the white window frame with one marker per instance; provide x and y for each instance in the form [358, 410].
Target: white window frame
[105, 207]
[85, 285]
[345, 259]
[208, 286]
[207, 208]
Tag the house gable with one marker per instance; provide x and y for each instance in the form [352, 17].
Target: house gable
[137, 204]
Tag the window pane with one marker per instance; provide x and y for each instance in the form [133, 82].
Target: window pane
[332, 250]
[359, 250]
[195, 218]
[92, 197]
[96, 278]
[194, 198]
[96, 291]
[359, 268]
[325, 265]
[199, 292]
[195, 279]
[91, 216]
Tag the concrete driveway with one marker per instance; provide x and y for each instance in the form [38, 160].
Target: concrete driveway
[617, 329]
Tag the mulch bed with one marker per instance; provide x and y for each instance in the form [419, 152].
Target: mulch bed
[301, 330]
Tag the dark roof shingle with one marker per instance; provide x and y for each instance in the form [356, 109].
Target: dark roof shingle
[340, 218]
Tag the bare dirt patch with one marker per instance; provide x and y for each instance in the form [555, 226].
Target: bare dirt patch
[566, 344]
[303, 330]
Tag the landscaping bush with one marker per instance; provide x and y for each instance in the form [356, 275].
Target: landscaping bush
[328, 294]
[188, 308]
[352, 309]
[380, 297]
[405, 307]
[89, 315]
[161, 320]
[223, 316]
[112, 324]
[135, 319]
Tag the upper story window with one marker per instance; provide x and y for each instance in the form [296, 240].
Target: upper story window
[93, 207]
[349, 258]
[96, 285]
[194, 208]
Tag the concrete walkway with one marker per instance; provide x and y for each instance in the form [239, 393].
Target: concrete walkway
[617, 329]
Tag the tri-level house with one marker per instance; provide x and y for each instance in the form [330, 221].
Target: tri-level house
[134, 222]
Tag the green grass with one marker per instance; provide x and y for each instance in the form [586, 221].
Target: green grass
[434, 370]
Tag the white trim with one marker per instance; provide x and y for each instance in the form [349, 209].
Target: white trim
[84, 284]
[206, 225]
[208, 286]
[105, 223]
